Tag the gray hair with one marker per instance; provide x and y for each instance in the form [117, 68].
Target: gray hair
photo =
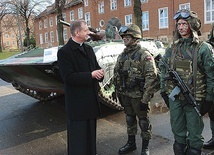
[76, 25]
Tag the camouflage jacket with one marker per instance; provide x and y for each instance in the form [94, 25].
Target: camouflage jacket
[135, 73]
[183, 49]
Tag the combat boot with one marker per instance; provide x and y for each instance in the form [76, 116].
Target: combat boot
[129, 146]
[145, 149]
[193, 151]
[179, 149]
[209, 144]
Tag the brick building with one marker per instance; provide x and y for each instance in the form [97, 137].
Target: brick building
[10, 32]
[157, 17]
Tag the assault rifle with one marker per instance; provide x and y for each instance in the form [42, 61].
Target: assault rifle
[180, 86]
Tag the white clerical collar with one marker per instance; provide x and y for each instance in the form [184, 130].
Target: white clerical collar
[78, 42]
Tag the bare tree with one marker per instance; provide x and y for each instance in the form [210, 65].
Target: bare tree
[3, 12]
[138, 13]
[59, 5]
[27, 9]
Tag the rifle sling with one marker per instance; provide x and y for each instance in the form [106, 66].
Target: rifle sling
[195, 55]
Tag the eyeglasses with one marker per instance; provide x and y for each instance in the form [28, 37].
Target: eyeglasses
[123, 29]
[184, 14]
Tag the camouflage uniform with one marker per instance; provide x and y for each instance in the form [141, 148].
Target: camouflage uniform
[135, 74]
[186, 125]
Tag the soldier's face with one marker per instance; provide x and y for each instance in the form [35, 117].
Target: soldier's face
[128, 40]
[183, 28]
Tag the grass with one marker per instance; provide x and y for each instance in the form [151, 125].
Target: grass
[4, 54]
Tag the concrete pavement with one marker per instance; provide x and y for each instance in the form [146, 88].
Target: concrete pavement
[31, 127]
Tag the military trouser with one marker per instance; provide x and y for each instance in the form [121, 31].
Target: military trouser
[211, 116]
[132, 110]
[186, 125]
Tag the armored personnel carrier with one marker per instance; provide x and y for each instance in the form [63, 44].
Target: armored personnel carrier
[36, 74]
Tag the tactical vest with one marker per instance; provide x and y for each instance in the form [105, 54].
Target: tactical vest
[129, 68]
[184, 68]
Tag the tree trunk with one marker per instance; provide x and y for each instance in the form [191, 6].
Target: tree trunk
[59, 5]
[138, 14]
[1, 38]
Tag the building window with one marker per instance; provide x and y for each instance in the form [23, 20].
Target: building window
[145, 20]
[72, 15]
[6, 36]
[40, 38]
[101, 7]
[184, 6]
[127, 3]
[209, 11]
[80, 13]
[46, 37]
[52, 36]
[40, 25]
[57, 38]
[86, 2]
[56, 20]
[65, 34]
[87, 18]
[13, 43]
[113, 4]
[128, 19]
[7, 43]
[163, 18]
[64, 16]
[144, 1]
[51, 22]
[45, 23]
[13, 36]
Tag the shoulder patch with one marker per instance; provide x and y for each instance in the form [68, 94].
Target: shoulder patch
[149, 58]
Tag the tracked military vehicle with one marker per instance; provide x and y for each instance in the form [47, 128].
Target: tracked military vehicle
[35, 72]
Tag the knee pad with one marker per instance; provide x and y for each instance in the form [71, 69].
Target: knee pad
[130, 120]
[144, 124]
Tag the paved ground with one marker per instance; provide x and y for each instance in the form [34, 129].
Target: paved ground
[30, 127]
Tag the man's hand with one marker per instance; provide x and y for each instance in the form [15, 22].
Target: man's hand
[165, 98]
[206, 107]
[97, 74]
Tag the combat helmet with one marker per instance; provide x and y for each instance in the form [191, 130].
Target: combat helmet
[192, 18]
[132, 30]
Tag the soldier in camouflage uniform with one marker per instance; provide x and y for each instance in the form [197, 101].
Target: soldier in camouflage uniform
[135, 75]
[193, 61]
[210, 144]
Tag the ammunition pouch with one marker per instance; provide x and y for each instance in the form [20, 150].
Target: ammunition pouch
[136, 82]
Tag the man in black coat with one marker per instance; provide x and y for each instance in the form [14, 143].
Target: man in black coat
[81, 73]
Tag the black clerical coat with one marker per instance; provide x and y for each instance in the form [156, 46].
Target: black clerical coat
[81, 90]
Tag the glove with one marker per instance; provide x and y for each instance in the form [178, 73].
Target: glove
[206, 107]
[114, 96]
[144, 107]
[165, 98]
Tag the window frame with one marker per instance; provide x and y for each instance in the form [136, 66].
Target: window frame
[146, 20]
[113, 5]
[166, 25]
[127, 3]
[88, 18]
[80, 13]
[126, 18]
[101, 7]
[208, 11]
